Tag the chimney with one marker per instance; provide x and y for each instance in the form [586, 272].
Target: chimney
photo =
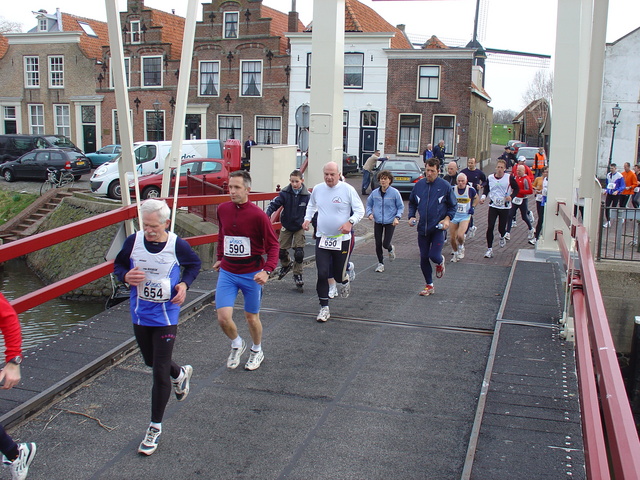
[292, 25]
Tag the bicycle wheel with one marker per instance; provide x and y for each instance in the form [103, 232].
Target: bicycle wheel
[45, 187]
[66, 180]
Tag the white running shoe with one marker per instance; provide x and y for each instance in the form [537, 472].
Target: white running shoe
[333, 291]
[503, 241]
[324, 314]
[351, 271]
[20, 466]
[472, 232]
[234, 357]
[255, 359]
[345, 289]
[460, 252]
[532, 241]
[532, 234]
[507, 236]
[181, 384]
[530, 216]
[150, 442]
[380, 268]
[392, 253]
[455, 257]
[489, 253]
[513, 223]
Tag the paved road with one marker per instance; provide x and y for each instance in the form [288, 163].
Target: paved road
[33, 186]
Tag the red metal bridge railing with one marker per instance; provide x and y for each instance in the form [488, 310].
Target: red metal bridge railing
[612, 448]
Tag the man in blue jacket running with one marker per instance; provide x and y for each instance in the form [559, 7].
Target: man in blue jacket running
[434, 200]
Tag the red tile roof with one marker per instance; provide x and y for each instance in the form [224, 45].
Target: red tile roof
[172, 31]
[279, 25]
[4, 45]
[434, 43]
[359, 17]
[90, 45]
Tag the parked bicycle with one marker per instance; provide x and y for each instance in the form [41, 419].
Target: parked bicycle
[57, 179]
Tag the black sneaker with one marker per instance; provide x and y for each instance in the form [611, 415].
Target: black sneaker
[284, 270]
[298, 279]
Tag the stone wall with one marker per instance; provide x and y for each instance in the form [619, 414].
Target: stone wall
[73, 256]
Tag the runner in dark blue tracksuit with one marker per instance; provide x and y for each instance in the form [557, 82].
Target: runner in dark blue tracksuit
[434, 200]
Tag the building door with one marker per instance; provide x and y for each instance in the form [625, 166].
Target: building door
[88, 128]
[368, 135]
[193, 127]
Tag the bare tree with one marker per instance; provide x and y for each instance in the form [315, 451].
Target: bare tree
[504, 116]
[7, 26]
[540, 87]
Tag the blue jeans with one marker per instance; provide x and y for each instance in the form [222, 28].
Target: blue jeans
[366, 180]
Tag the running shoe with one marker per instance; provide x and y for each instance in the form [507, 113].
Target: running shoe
[489, 253]
[351, 271]
[507, 236]
[20, 466]
[427, 290]
[472, 232]
[380, 268]
[298, 279]
[284, 270]
[440, 269]
[460, 252]
[324, 314]
[255, 359]
[234, 357]
[532, 234]
[606, 224]
[345, 289]
[454, 257]
[392, 253]
[333, 291]
[513, 223]
[503, 241]
[150, 442]
[532, 241]
[181, 384]
[530, 216]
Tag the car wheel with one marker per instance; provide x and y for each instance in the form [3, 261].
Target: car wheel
[76, 178]
[8, 175]
[115, 191]
[151, 192]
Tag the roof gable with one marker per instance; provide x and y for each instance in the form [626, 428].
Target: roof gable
[89, 44]
[172, 31]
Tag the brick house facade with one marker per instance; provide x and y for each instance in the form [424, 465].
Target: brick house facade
[435, 94]
[238, 81]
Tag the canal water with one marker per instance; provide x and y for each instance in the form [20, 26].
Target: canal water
[48, 319]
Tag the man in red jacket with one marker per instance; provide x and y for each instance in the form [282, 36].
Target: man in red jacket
[245, 235]
[17, 456]
[521, 202]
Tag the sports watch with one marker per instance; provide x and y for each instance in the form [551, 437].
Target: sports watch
[16, 360]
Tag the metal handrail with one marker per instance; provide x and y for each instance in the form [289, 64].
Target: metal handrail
[615, 448]
[67, 232]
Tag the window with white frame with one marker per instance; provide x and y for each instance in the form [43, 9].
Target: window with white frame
[268, 130]
[251, 78]
[353, 70]
[134, 34]
[209, 79]
[308, 85]
[127, 70]
[43, 24]
[31, 72]
[56, 71]
[408, 133]
[231, 24]
[443, 129]
[229, 126]
[152, 71]
[62, 120]
[9, 120]
[428, 82]
[154, 125]
[36, 119]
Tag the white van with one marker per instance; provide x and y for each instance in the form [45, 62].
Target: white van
[150, 157]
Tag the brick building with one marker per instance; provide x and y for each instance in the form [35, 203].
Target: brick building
[532, 125]
[44, 75]
[239, 82]
[435, 93]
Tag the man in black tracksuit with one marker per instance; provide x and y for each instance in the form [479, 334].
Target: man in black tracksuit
[293, 199]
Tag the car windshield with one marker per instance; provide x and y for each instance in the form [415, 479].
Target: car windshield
[60, 141]
[394, 165]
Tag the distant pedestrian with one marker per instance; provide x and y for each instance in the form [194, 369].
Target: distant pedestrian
[539, 161]
[18, 455]
[540, 188]
[427, 154]
[631, 183]
[245, 235]
[635, 200]
[247, 146]
[615, 184]
[434, 201]
[452, 174]
[439, 152]
[293, 199]
[467, 198]
[367, 170]
[385, 208]
[509, 157]
[520, 202]
[477, 179]
[150, 261]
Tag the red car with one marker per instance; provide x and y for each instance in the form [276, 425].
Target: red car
[212, 168]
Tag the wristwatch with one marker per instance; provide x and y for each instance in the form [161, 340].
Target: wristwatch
[352, 222]
[266, 271]
[16, 360]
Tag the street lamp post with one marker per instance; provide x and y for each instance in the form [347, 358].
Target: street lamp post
[156, 109]
[616, 113]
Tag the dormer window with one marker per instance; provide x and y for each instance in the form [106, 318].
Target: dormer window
[231, 24]
[42, 24]
[135, 31]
